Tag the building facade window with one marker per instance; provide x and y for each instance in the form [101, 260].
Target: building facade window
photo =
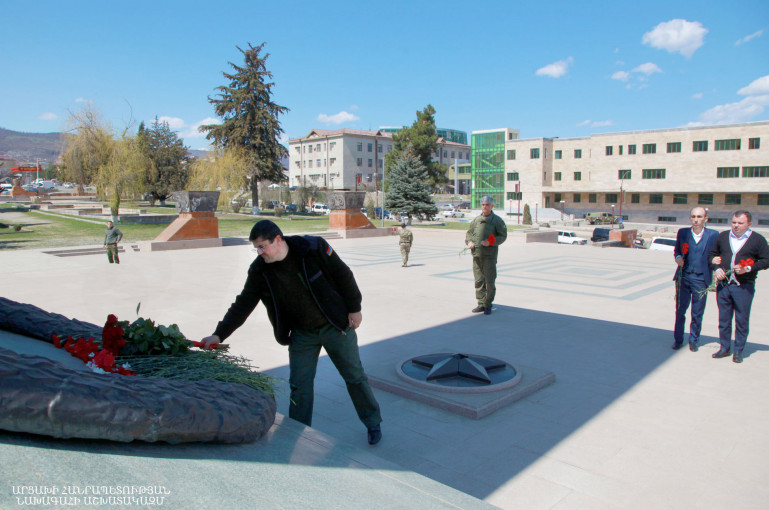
[512, 195]
[611, 198]
[513, 176]
[624, 174]
[631, 149]
[763, 199]
[755, 171]
[655, 198]
[379, 147]
[620, 150]
[309, 164]
[360, 146]
[558, 154]
[577, 176]
[727, 172]
[635, 198]
[317, 162]
[510, 154]
[705, 199]
[754, 143]
[578, 198]
[650, 148]
[332, 161]
[700, 146]
[380, 162]
[557, 176]
[577, 153]
[331, 145]
[359, 161]
[592, 198]
[667, 219]
[371, 163]
[371, 147]
[680, 198]
[534, 153]
[653, 173]
[727, 145]
[558, 197]
[674, 147]
[609, 150]
[732, 199]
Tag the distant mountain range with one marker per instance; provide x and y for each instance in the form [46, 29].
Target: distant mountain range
[45, 147]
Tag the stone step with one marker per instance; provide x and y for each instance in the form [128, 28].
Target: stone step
[75, 252]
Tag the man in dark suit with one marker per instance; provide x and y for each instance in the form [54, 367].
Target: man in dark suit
[739, 254]
[693, 275]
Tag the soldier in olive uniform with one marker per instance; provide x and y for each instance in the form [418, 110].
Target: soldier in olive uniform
[406, 238]
[485, 253]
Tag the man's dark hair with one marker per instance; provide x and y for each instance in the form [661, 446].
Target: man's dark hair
[265, 229]
[746, 214]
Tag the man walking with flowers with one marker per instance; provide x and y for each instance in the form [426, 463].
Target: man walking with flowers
[693, 275]
[739, 254]
[483, 238]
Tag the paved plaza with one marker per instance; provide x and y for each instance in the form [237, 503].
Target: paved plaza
[627, 424]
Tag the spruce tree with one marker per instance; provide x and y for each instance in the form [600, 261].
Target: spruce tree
[250, 119]
[408, 192]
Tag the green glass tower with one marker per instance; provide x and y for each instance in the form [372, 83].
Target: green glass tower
[488, 166]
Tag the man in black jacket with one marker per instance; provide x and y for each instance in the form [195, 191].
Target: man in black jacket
[739, 254]
[312, 301]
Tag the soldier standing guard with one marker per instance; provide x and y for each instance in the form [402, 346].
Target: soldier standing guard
[406, 238]
[485, 234]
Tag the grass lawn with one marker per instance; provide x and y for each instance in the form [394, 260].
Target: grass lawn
[51, 230]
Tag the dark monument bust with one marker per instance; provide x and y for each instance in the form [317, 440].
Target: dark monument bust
[196, 201]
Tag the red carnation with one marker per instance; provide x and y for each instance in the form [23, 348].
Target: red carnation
[747, 263]
[492, 240]
[685, 248]
[57, 341]
[104, 360]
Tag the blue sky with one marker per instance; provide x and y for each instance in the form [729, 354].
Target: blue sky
[559, 68]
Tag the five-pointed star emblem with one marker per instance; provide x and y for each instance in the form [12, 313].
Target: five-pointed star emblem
[443, 366]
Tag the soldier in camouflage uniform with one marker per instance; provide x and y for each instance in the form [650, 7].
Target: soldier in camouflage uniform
[485, 253]
[406, 238]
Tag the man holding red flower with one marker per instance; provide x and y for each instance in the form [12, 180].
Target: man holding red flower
[485, 234]
[693, 275]
[739, 254]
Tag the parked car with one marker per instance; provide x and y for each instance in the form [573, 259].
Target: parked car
[463, 205]
[378, 213]
[598, 218]
[662, 244]
[320, 209]
[31, 188]
[291, 208]
[453, 213]
[600, 234]
[445, 207]
[570, 238]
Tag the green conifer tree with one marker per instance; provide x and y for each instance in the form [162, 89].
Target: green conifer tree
[408, 193]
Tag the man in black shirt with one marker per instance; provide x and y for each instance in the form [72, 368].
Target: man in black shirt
[312, 301]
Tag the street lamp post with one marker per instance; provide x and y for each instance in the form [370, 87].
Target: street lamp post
[563, 203]
[612, 216]
[536, 213]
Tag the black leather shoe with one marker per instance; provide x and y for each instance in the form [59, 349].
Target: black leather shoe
[722, 354]
[478, 309]
[374, 434]
[487, 310]
[737, 358]
[677, 345]
[693, 347]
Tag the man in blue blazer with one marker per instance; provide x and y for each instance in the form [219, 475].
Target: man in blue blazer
[693, 275]
[739, 254]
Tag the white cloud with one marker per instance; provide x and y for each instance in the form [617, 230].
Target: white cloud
[175, 123]
[676, 36]
[556, 69]
[697, 95]
[601, 123]
[733, 113]
[584, 123]
[48, 116]
[648, 69]
[749, 37]
[337, 118]
[759, 86]
[193, 131]
[621, 76]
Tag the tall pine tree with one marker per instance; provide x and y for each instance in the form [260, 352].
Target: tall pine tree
[422, 138]
[408, 192]
[169, 159]
[250, 119]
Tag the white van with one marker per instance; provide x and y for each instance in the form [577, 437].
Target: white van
[663, 244]
[320, 209]
[45, 185]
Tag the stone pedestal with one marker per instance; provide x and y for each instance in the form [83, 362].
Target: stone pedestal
[345, 210]
[196, 219]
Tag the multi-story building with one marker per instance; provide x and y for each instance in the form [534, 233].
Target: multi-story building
[649, 176]
[351, 158]
[488, 164]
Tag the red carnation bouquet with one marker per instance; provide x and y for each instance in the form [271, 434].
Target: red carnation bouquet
[712, 287]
